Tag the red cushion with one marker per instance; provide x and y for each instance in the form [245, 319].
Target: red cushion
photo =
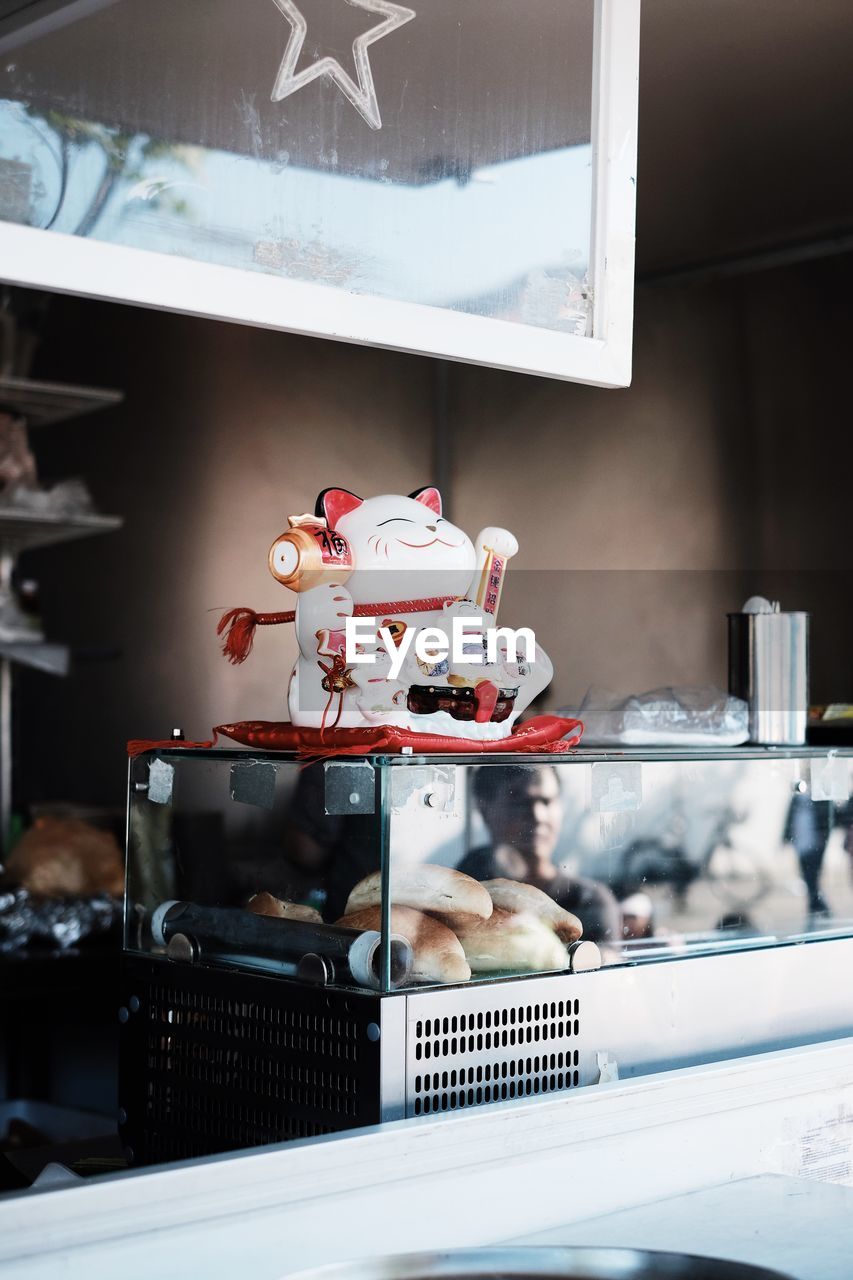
[543, 733]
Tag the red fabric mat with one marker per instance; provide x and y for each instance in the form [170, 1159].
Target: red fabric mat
[542, 733]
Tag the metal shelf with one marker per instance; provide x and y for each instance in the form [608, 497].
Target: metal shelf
[41, 656]
[40, 404]
[44, 403]
[22, 530]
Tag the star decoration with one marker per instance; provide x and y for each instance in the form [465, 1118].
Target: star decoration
[361, 95]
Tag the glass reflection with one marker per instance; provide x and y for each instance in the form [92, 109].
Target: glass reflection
[655, 858]
[521, 808]
[706, 854]
[143, 126]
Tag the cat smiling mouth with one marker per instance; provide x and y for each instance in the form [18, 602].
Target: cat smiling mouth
[421, 545]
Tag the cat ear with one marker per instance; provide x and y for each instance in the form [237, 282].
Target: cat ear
[334, 503]
[429, 497]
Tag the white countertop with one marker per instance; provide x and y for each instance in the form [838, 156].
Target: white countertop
[801, 1228]
[732, 1159]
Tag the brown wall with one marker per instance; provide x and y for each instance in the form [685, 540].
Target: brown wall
[223, 433]
[623, 501]
[643, 515]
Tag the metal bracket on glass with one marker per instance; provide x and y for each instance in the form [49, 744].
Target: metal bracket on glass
[428, 787]
[161, 776]
[608, 1067]
[830, 779]
[253, 782]
[617, 788]
[616, 793]
[350, 787]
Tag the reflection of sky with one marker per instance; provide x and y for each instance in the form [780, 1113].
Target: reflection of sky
[442, 243]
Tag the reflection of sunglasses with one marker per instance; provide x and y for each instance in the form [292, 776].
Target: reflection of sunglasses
[461, 704]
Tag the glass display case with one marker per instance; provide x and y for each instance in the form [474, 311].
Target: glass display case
[470, 870]
[315, 946]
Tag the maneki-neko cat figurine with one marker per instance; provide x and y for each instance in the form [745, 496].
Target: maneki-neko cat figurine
[398, 562]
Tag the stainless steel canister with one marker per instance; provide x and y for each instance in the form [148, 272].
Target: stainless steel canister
[769, 670]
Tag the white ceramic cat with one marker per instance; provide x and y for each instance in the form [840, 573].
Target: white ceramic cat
[403, 550]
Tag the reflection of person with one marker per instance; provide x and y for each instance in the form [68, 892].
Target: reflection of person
[522, 807]
[844, 818]
[807, 828]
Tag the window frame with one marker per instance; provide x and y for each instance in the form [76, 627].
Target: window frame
[63, 263]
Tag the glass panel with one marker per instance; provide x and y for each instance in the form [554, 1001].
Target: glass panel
[237, 859]
[499, 868]
[656, 859]
[437, 154]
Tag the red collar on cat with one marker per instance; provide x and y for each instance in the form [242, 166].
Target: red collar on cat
[239, 625]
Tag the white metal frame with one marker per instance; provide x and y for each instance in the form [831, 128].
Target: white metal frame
[70, 264]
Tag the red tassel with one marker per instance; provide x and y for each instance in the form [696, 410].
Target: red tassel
[239, 626]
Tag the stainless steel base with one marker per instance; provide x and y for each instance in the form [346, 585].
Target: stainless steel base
[471, 1045]
[457, 1047]
[215, 1058]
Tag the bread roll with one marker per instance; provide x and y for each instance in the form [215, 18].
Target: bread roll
[515, 895]
[264, 904]
[515, 941]
[456, 920]
[437, 952]
[425, 887]
[67, 857]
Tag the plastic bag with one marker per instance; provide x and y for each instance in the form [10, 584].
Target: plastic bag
[54, 922]
[678, 717]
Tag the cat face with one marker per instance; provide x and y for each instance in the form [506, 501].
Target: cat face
[403, 547]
